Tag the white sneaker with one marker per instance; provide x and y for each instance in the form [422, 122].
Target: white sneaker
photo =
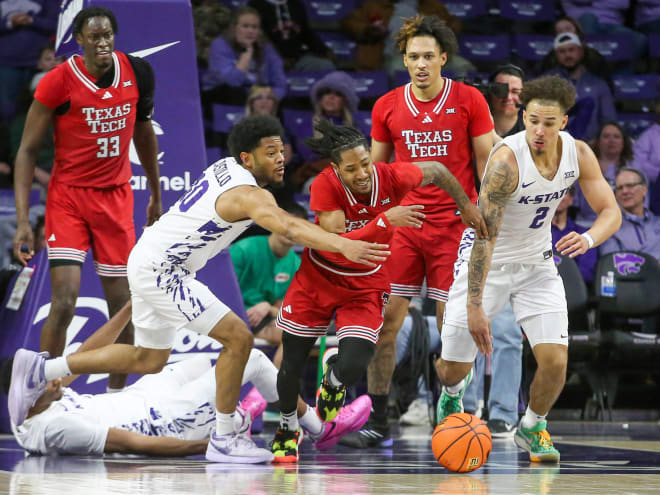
[236, 448]
[417, 413]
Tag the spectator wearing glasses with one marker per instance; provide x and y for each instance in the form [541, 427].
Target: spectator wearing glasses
[640, 229]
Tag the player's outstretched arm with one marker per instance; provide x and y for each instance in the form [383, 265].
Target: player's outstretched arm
[381, 152]
[128, 442]
[500, 181]
[146, 145]
[259, 205]
[600, 197]
[37, 123]
[436, 173]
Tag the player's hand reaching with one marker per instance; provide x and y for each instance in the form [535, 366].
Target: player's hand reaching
[479, 326]
[23, 236]
[154, 211]
[572, 244]
[405, 216]
[472, 217]
[367, 253]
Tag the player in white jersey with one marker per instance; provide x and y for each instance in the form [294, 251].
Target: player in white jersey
[526, 176]
[221, 204]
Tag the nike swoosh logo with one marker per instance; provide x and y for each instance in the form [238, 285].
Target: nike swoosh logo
[31, 383]
[528, 184]
[150, 51]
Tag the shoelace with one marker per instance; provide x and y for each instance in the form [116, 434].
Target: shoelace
[544, 439]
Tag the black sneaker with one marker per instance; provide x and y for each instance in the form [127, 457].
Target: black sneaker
[500, 428]
[371, 435]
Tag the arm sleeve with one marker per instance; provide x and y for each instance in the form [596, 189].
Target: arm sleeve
[480, 120]
[73, 435]
[52, 90]
[377, 230]
[222, 66]
[379, 129]
[146, 82]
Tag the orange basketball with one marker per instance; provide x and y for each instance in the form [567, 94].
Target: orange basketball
[461, 442]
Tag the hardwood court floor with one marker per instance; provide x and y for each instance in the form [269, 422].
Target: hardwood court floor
[597, 458]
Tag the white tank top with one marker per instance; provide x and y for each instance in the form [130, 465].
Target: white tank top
[191, 232]
[525, 234]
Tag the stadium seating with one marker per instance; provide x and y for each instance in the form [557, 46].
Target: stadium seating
[483, 48]
[342, 46]
[654, 45]
[635, 123]
[528, 10]
[613, 47]
[300, 82]
[532, 46]
[363, 122]
[225, 116]
[468, 9]
[328, 14]
[636, 86]
[371, 84]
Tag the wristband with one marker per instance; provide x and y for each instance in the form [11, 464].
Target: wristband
[590, 240]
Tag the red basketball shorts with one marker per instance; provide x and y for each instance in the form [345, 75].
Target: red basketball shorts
[78, 218]
[311, 300]
[427, 252]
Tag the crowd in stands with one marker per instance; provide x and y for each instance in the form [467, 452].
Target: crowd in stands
[294, 60]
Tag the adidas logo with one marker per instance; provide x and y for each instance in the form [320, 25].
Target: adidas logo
[427, 120]
[127, 83]
[106, 95]
[380, 223]
[51, 238]
[363, 210]
[287, 308]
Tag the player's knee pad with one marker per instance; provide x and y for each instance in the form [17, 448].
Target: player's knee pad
[353, 359]
[288, 384]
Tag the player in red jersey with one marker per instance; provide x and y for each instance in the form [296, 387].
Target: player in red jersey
[358, 199]
[97, 103]
[430, 118]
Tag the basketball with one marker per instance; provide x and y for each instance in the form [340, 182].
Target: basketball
[461, 442]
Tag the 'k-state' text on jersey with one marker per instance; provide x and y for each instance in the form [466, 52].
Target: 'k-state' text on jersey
[191, 232]
[525, 235]
[436, 130]
[93, 125]
[390, 183]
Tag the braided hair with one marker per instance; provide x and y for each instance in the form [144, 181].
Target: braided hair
[334, 139]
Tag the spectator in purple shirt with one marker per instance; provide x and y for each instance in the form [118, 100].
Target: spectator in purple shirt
[25, 26]
[242, 58]
[594, 105]
[647, 149]
[562, 224]
[640, 229]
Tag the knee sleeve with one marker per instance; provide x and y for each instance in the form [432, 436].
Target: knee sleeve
[294, 356]
[353, 359]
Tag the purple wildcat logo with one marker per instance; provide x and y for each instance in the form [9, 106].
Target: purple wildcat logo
[556, 259]
[627, 263]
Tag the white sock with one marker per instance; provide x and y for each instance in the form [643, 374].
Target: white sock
[454, 390]
[224, 423]
[111, 390]
[530, 419]
[56, 368]
[311, 422]
[333, 381]
[289, 421]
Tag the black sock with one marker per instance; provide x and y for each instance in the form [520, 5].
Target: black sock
[379, 408]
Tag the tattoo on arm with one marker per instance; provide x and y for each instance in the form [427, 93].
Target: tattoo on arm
[441, 177]
[499, 183]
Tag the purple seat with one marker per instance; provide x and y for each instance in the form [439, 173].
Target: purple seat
[342, 46]
[363, 122]
[301, 82]
[528, 10]
[371, 84]
[636, 86]
[225, 116]
[614, 47]
[532, 46]
[233, 4]
[654, 45]
[635, 123]
[324, 12]
[298, 123]
[486, 48]
[468, 9]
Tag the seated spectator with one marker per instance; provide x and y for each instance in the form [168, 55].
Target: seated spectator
[592, 60]
[594, 104]
[264, 267]
[210, 19]
[333, 97]
[640, 229]
[647, 16]
[505, 109]
[240, 59]
[47, 61]
[562, 224]
[286, 25]
[613, 149]
[646, 149]
[605, 18]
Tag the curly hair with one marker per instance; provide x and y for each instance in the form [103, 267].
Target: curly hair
[246, 135]
[549, 89]
[332, 139]
[626, 155]
[88, 13]
[427, 26]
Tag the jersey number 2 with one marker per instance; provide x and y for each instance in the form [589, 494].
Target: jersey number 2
[107, 147]
[541, 213]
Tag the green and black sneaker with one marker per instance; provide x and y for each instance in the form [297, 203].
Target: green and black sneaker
[329, 399]
[285, 445]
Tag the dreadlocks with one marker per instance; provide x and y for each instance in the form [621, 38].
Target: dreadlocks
[334, 139]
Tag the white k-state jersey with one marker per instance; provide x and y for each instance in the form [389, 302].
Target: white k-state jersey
[525, 235]
[191, 232]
